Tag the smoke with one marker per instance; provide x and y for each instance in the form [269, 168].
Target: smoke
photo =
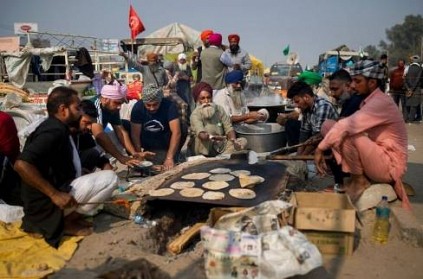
[266, 100]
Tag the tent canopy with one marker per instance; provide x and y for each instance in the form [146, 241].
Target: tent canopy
[190, 37]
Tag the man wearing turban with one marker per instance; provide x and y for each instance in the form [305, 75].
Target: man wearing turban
[108, 106]
[196, 57]
[155, 126]
[239, 57]
[211, 127]
[371, 144]
[215, 63]
[233, 101]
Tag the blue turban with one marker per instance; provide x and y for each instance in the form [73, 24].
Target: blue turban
[234, 76]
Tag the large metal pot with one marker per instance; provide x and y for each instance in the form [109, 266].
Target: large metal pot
[262, 137]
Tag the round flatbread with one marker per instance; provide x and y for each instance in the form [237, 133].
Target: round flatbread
[237, 173]
[182, 185]
[213, 195]
[215, 185]
[243, 194]
[191, 192]
[196, 176]
[221, 177]
[220, 170]
[161, 192]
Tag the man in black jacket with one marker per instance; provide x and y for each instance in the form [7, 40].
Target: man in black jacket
[50, 169]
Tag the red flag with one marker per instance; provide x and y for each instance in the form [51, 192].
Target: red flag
[135, 23]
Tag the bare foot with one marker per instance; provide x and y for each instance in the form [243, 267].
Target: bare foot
[355, 187]
[77, 230]
[76, 225]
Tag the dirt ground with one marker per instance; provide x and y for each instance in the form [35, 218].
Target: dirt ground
[117, 242]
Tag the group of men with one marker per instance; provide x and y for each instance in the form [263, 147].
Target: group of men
[367, 139]
[57, 166]
[406, 83]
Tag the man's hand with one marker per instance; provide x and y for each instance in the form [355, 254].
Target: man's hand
[319, 161]
[254, 116]
[314, 140]
[143, 155]
[236, 67]
[131, 162]
[63, 200]
[168, 164]
[282, 118]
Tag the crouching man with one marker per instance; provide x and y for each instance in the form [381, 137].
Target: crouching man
[53, 189]
[212, 129]
[371, 144]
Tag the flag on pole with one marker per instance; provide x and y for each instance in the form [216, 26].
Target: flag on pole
[135, 23]
[286, 50]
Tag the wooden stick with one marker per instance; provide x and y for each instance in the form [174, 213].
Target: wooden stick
[177, 245]
[294, 157]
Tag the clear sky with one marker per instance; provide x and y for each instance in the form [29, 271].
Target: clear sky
[310, 27]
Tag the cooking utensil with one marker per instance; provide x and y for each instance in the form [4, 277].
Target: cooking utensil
[272, 172]
[254, 157]
[262, 137]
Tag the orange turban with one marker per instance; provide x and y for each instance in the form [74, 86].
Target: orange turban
[206, 34]
[233, 37]
[152, 57]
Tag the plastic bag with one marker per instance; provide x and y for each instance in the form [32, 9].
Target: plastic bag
[257, 243]
[10, 213]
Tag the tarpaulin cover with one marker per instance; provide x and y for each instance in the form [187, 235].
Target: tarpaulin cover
[23, 256]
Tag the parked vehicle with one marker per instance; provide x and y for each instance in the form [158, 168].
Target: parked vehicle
[282, 75]
[339, 58]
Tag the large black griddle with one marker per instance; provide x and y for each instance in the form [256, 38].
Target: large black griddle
[272, 172]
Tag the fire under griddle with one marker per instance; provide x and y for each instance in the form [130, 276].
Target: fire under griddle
[273, 173]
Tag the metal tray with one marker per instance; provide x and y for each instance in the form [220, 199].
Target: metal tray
[273, 173]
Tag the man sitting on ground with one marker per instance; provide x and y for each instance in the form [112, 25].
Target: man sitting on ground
[108, 106]
[340, 88]
[212, 130]
[155, 126]
[371, 144]
[233, 101]
[50, 169]
[315, 111]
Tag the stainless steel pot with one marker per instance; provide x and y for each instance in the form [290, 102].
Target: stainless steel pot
[262, 137]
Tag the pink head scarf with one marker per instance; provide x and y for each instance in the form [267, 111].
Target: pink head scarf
[115, 91]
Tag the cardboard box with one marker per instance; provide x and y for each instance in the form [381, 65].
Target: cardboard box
[337, 243]
[327, 219]
[217, 212]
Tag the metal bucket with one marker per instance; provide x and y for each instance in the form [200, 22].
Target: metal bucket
[262, 137]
